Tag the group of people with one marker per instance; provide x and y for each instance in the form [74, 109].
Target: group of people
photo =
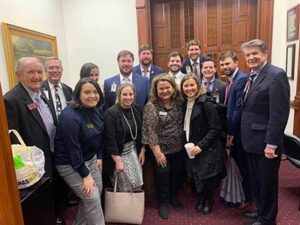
[87, 133]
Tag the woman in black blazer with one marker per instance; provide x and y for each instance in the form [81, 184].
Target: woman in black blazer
[123, 122]
[202, 128]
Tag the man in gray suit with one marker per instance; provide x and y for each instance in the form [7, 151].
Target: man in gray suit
[209, 81]
[264, 117]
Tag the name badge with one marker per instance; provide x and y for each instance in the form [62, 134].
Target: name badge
[90, 125]
[162, 113]
[113, 87]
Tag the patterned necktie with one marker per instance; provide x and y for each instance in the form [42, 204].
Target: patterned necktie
[195, 69]
[249, 84]
[57, 101]
[47, 119]
[206, 84]
[228, 83]
[145, 72]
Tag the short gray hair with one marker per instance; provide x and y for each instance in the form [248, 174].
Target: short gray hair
[50, 59]
[255, 43]
[20, 63]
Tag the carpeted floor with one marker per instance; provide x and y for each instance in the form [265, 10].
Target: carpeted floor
[289, 199]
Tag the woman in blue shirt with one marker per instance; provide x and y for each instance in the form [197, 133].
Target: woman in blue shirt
[79, 148]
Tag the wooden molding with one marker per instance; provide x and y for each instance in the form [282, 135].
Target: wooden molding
[10, 208]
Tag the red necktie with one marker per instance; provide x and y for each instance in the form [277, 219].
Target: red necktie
[227, 91]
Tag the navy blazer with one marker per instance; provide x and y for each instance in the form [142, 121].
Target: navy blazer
[27, 120]
[266, 110]
[155, 70]
[66, 90]
[219, 87]
[187, 63]
[235, 102]
[140, 83]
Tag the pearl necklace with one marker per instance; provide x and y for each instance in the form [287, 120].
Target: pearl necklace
[131, 134]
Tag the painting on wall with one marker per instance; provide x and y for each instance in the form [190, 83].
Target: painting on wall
[292, 32]
[20, 42]
[290, 61]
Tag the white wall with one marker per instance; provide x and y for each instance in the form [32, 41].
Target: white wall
[96, 30]
[40, 15]
[279, 47]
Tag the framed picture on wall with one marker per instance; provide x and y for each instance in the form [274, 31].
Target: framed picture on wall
[290, 61]
[292, 32]
[20, 42]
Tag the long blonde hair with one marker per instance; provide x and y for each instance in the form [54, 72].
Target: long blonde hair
[201, 90]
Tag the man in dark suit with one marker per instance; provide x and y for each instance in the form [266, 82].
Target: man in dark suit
[234, 101]
[125, 62]
[146, 68]
[29, 112]
[195, 60]
[264, 117]
[209, 81]
[58, 93]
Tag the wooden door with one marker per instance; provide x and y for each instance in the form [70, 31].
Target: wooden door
[219, 24]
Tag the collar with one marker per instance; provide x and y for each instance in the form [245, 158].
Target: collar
[176, 75]
[260, 69]
[197, 61]
[211, 81]
[149, 68]
[31, 93]
[123, 77]
[233, 75]
[51, 86]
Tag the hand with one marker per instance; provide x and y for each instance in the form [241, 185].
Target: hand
[88, 185]
[161, 159]
[195, 150]
[229, 141]
[270, 153]
[142, 157]
[119, 166]
[99, 164]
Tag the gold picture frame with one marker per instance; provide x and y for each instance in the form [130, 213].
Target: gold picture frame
[20, 42]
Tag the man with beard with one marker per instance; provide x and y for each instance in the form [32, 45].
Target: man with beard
[174, 65]
[195, 60]
[125, 62]
[146, 68]
[235, 85]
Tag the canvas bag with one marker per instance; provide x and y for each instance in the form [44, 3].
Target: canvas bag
[124, 207]
[29, 162]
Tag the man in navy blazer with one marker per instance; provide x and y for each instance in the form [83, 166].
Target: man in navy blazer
[54, 70]
[234, 101]
[125, 62]
[146, 68]
[264, 117]
[195, 59]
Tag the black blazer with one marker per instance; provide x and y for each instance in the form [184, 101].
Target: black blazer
[66, 90]
[114, 125]
[187, 63]
[28, 121]
[205, 132]
[266, 110]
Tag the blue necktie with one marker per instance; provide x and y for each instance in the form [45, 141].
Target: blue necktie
[47, 119]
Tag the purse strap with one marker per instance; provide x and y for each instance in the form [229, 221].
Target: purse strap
[126, 178]
[18, 136]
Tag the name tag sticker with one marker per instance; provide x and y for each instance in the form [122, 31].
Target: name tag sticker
[161, 113]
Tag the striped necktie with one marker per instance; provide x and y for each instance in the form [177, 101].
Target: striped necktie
[249, 84]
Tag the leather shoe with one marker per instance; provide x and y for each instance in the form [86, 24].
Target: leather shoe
[163, 211]
[200, 204]
[60, 220]
[176, 204]
[251, 214]
[207, 206]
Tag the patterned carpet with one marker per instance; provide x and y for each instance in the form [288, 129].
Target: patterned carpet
[289, 199]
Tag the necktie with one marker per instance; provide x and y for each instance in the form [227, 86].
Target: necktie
[57, 101]
[249, 84]
[47, 119]
[195, 69]
[145, 72]
[206, 84]
[228, 83]
[126, 80]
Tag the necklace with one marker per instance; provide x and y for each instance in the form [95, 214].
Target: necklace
[131, 134]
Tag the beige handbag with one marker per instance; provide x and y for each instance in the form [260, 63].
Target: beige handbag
[124, 207]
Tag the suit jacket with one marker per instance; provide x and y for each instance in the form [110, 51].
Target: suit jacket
[155, 70]
[66, 90]
[235, 103]
[141, 84]
[265, 111]
[28, 121]
[218, 89]
[187, 64]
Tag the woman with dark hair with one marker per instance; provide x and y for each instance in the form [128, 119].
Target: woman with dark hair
[162, 131]
[202, 128]
[90, 70]
[79, 149]
[123, 124]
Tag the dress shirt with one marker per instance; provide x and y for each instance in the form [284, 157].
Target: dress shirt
[148, 71]
[209, 86]
[178, 77]
[124, 79]
[60, 93]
